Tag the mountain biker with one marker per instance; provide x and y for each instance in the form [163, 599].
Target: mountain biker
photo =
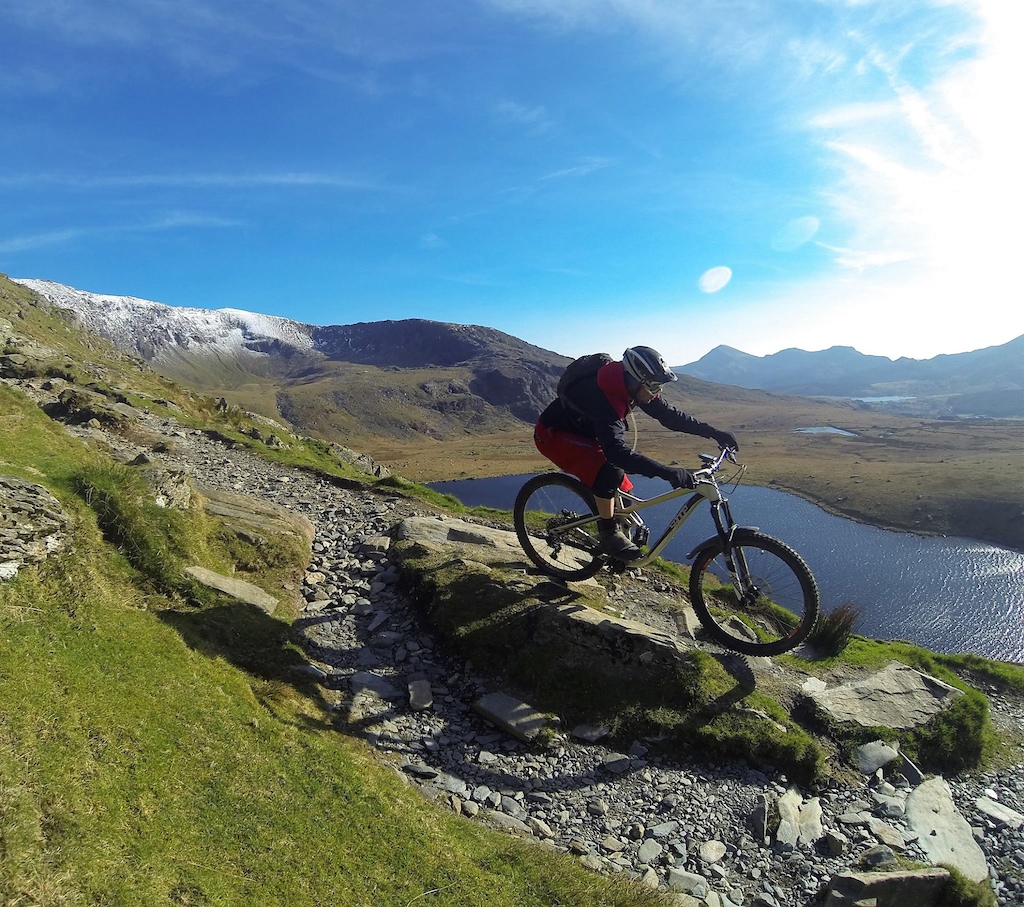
[583, 433]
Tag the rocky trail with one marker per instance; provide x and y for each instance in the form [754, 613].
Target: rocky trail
[716, 835]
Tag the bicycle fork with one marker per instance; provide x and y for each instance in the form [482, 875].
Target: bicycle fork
[735, 562]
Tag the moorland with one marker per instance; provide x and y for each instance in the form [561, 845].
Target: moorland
[960, 478]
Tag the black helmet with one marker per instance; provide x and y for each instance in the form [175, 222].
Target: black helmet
[647, 367]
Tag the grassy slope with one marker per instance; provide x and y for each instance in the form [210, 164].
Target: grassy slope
[154, 750]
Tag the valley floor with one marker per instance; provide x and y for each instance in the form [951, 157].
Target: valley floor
[947, 478]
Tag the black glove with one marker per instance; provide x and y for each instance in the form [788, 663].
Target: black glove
[726, 439]
[680, 478]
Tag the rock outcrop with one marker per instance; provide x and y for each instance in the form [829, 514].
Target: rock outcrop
[33, 524]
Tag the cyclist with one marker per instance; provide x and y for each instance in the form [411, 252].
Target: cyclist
[583, 433]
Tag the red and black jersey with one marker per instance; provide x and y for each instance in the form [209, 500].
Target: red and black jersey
[597, 408]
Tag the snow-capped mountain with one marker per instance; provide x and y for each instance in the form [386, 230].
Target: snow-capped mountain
[216, 351]
[153, 329]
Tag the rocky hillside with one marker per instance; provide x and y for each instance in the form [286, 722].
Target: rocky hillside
[386, 378]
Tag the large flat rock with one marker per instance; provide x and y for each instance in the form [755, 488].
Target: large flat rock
[450, 531]
[943, 833]
[236, 588]
[897, 697]
[255, 514]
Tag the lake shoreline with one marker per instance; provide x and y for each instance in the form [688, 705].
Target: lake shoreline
[889, 526]
[849, 514]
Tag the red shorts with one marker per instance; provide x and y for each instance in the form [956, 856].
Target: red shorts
[575, 454]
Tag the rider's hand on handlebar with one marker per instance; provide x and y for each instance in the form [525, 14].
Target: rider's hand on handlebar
[726, 439]
[680, 478]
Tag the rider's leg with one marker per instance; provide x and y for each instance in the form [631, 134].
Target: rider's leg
[584, 458]
[613, 540]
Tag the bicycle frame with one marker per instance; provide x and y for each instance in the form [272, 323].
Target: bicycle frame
[774, 600]
[628, 505]
[705, 491]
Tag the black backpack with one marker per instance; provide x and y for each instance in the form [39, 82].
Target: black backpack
[577, 371]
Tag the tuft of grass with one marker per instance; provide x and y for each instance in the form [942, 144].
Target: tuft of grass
[833, 631]
[159, 542]
[958, 739]
[961, 891]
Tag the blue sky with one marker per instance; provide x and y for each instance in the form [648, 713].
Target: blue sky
[584, 174]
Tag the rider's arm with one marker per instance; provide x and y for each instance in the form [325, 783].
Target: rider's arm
[611, 435]
[676, 420]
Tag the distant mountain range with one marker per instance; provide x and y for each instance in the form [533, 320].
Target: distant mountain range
[987, 382]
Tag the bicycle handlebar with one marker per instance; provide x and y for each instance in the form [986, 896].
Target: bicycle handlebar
[712, 465]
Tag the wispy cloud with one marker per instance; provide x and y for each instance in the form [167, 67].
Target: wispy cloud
[239, 41]
[534, 118]
[174, 220]
[196, 180]
[584, 168]
[432, 241]
[33, 241]
[921, 168]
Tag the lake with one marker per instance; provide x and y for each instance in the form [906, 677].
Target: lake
[946, 594]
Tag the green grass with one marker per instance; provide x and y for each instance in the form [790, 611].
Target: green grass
[137, 770]
[961, 737]
[961, 891]
[156, 747]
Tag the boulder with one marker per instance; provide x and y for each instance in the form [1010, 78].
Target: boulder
[886, 889]
[943, 833]
[897, 697]
[873, 756]
[519, 719]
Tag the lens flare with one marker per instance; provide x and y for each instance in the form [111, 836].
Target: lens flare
[712, 280]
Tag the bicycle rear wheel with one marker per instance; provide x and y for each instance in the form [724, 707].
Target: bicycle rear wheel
[775, 613]
[544, 505]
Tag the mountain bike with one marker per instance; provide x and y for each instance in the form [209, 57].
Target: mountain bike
[751, 592]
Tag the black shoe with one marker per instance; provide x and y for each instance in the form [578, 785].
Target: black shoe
[615, 544]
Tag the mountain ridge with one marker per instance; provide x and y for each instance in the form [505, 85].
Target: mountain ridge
[306, 373]
[985, 382]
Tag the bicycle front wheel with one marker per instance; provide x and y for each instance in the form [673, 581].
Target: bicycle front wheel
[772, 606]
[544, 508]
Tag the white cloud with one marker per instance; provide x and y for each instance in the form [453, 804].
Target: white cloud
[33, 241]
[533, 117]
[584, 168]
[797, 232]
[927, 175]
[432, 241]
[195, 180]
